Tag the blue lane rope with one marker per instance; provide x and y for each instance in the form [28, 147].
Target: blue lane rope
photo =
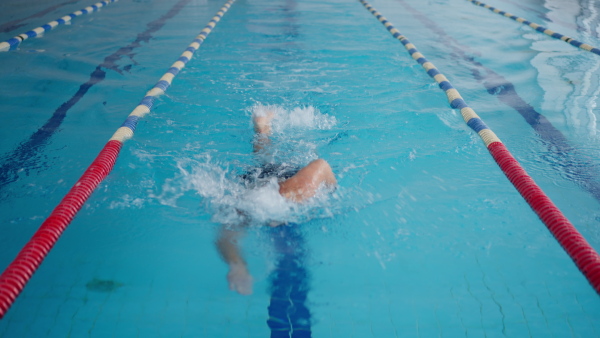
[127, 129]
[27, 153]
[539, 28]
[575, 245]
[570, 160]
[14, 42]
[19, 272]
[6, 27]
[456, 101]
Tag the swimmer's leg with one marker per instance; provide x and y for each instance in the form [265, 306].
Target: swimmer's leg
[305, 183]
[238, 277]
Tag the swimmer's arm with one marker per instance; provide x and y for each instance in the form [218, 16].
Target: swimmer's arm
[238, 276]
[227, 243]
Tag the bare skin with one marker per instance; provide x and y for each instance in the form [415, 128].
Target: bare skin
[262, 127]
[238, 277]
[304, 184]
[298, 188]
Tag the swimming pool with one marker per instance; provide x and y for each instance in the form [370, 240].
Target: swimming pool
[423, 237]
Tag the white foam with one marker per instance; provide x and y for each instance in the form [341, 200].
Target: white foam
[265, 204]
[232, 201]
[127, 202]
[297, 118]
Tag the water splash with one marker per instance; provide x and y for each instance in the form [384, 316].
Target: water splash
[233, 200]
[299, 118]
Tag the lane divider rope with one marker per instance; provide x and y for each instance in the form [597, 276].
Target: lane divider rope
[18, 273]
[13, 42]
[565, 157]
[539, 28]
[580, 251]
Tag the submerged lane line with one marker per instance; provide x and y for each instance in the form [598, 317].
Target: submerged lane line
[14, 42]
[12, 25]
[18, 273]
[583, 255]
[25, 155]
[569, 160]
[539, 28]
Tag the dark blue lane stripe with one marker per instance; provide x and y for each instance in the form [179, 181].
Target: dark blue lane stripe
[458, 104]
[445, 85]
[563, 157]
[477, 124]
[147, 101]
[289, 315]
[433, 72]
[26, 155]
[162, 84]
[131, 122]
[14, 41]
[173, 70]
[12, 25]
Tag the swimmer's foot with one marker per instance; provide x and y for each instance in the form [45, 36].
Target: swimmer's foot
[262, 123]
[240, 279]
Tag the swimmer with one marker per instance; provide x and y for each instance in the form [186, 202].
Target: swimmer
[297, 188]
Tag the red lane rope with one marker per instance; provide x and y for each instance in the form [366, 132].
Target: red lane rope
[582, 253]
[18, 273]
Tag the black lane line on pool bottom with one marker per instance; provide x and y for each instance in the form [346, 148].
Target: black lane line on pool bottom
[12, 25]
[24, 157]
[561, 155]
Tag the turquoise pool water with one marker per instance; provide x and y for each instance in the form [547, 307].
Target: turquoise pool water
[424, 235]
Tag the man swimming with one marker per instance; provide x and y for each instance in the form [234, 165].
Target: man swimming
[296, 186]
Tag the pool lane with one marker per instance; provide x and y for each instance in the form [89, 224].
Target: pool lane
[540, 28]
[17, 23]
[289, 314]
[14, 42]
[569, 161]
[18, 273]
[27, 154]
[576, 246]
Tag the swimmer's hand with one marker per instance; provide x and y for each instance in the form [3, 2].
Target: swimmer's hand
[239, 279]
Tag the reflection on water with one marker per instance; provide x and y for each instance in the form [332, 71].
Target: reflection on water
[571, 88]
[570, 162]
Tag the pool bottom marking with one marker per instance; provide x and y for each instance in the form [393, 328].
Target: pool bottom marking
[18, 273]
[582, 254]
[289, 315]
[25, 156]
[103, 285]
